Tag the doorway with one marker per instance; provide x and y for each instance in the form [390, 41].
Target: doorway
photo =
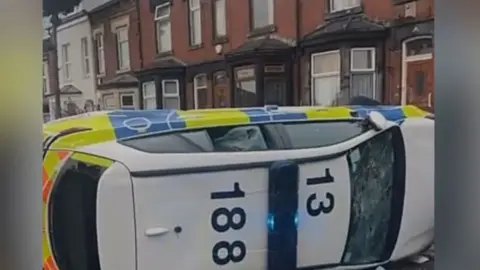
[220, 90]
[418, 73]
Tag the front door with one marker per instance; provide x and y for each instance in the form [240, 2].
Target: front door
[275, 91]
[220, 90]
[420, 84]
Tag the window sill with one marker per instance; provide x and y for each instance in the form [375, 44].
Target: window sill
[343, 13]
[122, 71]
[101, 75]
[220, 40]
[262, 31]
[195, 47]
[164, 54]
[402, 2]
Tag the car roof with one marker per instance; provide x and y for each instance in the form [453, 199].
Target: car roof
[102, 126]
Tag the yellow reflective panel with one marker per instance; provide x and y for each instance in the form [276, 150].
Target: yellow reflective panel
[100, 125]
[213, 117]
[328, 113]
[413, 111]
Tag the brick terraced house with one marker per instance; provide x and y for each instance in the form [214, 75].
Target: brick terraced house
[220, 53]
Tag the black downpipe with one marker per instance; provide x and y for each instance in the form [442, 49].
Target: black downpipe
[298, 52]
[386, 73]
[139, 33]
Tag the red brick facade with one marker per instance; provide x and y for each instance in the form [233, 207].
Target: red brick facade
[104, 19]
[295, 22]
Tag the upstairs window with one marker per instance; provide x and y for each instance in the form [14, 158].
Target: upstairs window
[85, 57]
[340, 5]
[220, 18]
[163, 28]
[195, 22]
[262, 13]
[123, 50]
[100, 59]
[66, 62]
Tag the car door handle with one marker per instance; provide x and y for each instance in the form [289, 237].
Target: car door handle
[151, 232]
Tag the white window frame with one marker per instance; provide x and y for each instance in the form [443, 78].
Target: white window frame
[46, 89]
[85, 56]
[325, 74]
[127, 106]
[361, 49]
[99, 38]
[314, 75]
[163, 19]
[197, 87]
[366, 70]
[66, 62]
[148, 97]
[271, 13]
[123, 64]
[194, 28]
[220, 23]
[177, 95]
[345, 7]
[105, 97]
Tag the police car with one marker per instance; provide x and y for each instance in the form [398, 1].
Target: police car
[264, 188]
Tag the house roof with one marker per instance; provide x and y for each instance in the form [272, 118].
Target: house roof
[348, 25]
[104, 6]
[164, 64]
[70, 89]
[122, 80]
[260, 45]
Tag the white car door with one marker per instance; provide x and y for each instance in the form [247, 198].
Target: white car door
[263, 210]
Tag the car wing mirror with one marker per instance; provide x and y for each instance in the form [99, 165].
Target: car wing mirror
[377, 120]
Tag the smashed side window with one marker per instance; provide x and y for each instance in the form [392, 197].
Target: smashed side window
[247, 138]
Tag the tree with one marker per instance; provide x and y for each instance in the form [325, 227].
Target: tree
[52, 9]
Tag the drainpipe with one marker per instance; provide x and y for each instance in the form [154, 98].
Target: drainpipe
[298, 51]
[140, 52]
[139, 33]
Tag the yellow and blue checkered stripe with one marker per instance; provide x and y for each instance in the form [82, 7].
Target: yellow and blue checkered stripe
[127, 124]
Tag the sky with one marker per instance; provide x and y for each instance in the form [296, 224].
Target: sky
[84, 5]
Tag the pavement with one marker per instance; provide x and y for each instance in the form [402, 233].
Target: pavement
[414, 263]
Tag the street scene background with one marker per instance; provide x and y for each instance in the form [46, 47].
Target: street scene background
[195, 54]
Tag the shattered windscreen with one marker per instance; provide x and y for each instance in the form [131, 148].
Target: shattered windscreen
[371, 167]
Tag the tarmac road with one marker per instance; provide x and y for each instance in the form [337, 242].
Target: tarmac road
[429, 265]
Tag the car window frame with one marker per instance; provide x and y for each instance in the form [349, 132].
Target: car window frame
[268, 131]
[291, 146]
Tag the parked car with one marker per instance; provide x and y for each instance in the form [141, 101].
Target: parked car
[255, 188]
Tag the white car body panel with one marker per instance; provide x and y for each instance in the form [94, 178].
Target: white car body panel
[418, 223]
[165, 202]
